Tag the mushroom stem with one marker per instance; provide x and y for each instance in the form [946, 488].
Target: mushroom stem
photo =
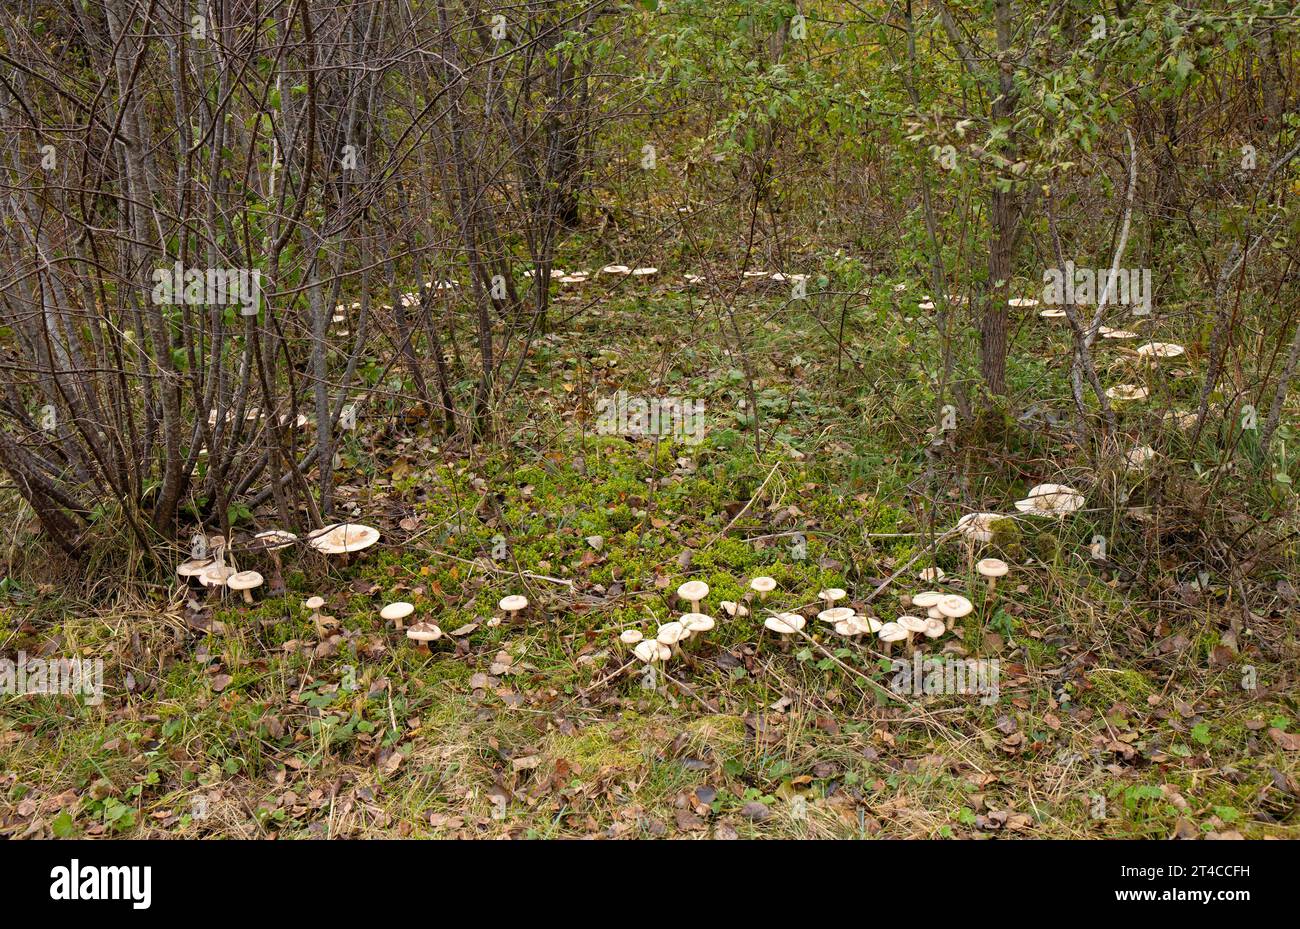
[248, 597]
[695, 606]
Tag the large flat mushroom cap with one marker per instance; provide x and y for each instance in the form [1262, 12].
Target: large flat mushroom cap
[513, 603]
[424, 632]
[274, 538]
[697, 622]
[927, 598]
[216, 575]
[1159, 350]
[831, 594]
[1050, 500]
[342, 538]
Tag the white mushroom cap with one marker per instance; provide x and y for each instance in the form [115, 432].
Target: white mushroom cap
[644, 272]
[934, 628]
[1117, 333]
[927, 598]
[872, 624]
[314, 603]
[785, 623]
[978, 527]
[274, 538]
[630, 636]
[342, 538]
[193, 568]
[1159, 350]
[1127, 392]
[244, 580]
[934, 613]
[1050, 500]
[930, 575]
[1022, 301]
[854, 625]
[616, 269]
[399, 610]
[694, 591]
[216, 575]
[424, 632]
[911, 623]
[837, 614]
[1139, 457]
[992, 567]
[831, 594]
[731, 608]
[671, 633]
[513, 603]
[697, 622]
[1052, 314]
[955, 606]
[647, 650]
[763, 584]
[891, 632]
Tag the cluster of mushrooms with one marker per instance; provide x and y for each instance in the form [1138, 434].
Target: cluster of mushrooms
[425, 633]
[217, 569]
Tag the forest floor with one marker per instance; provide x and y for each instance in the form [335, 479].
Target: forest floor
[1119, 713]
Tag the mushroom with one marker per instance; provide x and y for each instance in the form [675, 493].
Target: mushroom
[644, 272]
[785, 623]
[1125, 393]
[853, 626]
[616, 269]
[1052, 314]
[396, 612]
[830, 595]
[978, 527]
[343, 538]
[426, 633]
[271, 541]
[927, 598]
[911, 625]
[931, 575]
[1107, 333]
[630, 636]
[192, 568]
[1140, 456]
[694, 592]
[890, 633]
[314, 603]
[216, 575]
[671, 633]
[762, 585]
[955, 606]
[647, 650]
[696, 622]
[1050, 500]
[1157, 350]
[837, 614]
[1019, 302]
[513, 604]
[934, 628]
[992, 568]
[733, 609]
[245, 582]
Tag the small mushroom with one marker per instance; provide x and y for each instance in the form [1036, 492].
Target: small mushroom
[733, 609]
[647, 650]
[992, 568]
[1127, 393]
[192, 568]
[396, 612]
[934, 628]
[762, 585]
[513, 604]
[955, 606]
[890, 633]
[314, 603]
[1107, 333]
[912, 625]
[671, 633]
[696, 622]
[928, 598]
[978, 527]
[837, 614]
[216, 575]
[245, 582]
[630, 636]
[1052, 314]
[425, 633]
[1155, 351]
[830, 595]
[785, 623]
[931, 575]
[693, 592]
